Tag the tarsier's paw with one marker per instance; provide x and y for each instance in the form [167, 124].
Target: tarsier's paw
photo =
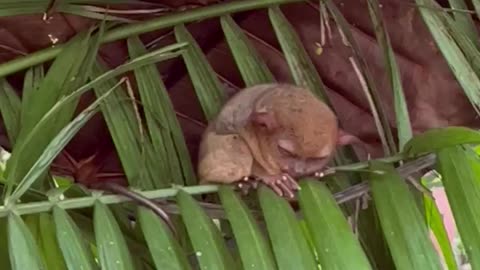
[324, 172]
[282, 184]
[246, 184]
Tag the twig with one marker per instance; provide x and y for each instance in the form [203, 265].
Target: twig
[404, 171]
[341, 197]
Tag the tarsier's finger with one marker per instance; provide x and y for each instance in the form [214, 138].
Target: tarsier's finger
[290, 182]
[275, 188]
[287, 191]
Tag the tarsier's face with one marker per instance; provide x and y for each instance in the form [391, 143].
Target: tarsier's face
[295, 143]
[292, 159]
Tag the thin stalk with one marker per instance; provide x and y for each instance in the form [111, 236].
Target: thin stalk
[341, 197]
[83, 202]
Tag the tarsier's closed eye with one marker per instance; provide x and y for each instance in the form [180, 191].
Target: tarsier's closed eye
[286, 147]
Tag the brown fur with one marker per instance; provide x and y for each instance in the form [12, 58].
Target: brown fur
[269, 131]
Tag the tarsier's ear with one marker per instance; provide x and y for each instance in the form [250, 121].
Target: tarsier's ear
[345, 138]
[230, 120]
[265, 119]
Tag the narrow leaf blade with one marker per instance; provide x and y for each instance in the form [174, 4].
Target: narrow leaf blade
[204, 79]
[10, 108]
[165, 250]
[22, 247]
[113, 251]
[456, 60]
[401, 111]
[72, 244]
[289, 244]
[435, 223]
[332, 235]
[460, 170]
[163, 126]
[402, 223]
[254, 250]
[438, 138]
[55, 147]
[209, 247]
[301, 66]
[252, 68]
[49, 245]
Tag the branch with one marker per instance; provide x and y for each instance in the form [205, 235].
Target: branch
[213, 210]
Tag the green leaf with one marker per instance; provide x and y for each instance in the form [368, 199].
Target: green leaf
[83, 11]
[401, 111]
[456, 60]
[10, 107]
[164, 248]
[252, 68]
[460, 170]
[31, 83]
[58, 82]
[55, 147]
[333, 237]
[466, 44]
[163, 126]
[435, 223]
[22, 247]
[476, 4]
[301, 66]
[148, 58]
[305, 74]
[402, 222]
[72, 244]
[152, 57]
[4, 254]
[210, 249]
[464, 20]
[157, 23]
[48, 243]
[62, 78]
[13, 8]
[435, 139]
[289, 244]
[113, 252]
[254, 250]
[127, 133]
[205, 82]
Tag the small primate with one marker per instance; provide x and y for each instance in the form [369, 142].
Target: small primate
[272, 132]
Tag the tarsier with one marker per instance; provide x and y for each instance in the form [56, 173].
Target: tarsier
[273, 132]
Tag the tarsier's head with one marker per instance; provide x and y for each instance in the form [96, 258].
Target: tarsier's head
[298, 130]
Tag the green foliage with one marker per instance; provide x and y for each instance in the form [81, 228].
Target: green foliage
[153, 153]
[436, 139]
[402, 222]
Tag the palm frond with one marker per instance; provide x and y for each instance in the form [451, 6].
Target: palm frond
[272, 237]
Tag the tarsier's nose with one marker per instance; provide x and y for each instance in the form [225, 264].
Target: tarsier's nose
[285, 167]
[299, 167]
